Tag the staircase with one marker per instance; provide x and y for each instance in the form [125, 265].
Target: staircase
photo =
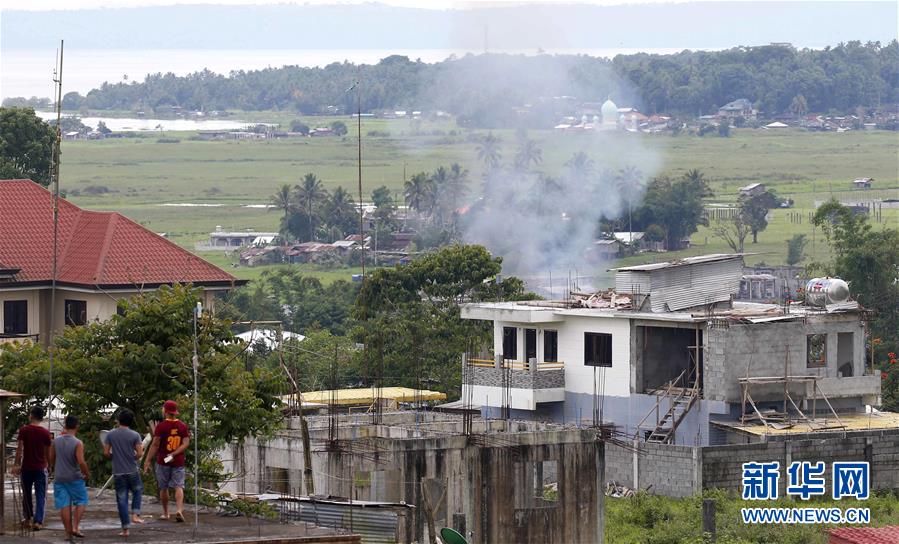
[680, 405]
[681, 398]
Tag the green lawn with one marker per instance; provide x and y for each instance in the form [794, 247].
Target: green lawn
[143, 175]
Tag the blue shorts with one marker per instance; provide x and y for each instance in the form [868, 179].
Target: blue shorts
[69, 494]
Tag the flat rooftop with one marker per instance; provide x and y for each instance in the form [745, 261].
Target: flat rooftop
[852, 422]
[603, 304]
[101, 524]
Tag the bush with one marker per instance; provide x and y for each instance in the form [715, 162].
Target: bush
[298, 126]
[168, 141]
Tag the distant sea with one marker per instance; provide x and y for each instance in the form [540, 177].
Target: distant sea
[28, 72]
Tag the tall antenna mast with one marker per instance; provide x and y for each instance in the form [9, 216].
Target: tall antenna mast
[54, 164]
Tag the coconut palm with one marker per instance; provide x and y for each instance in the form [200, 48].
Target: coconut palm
[456, 185]
[342, 211]
[528, 153]
[310, 194]
[580, 165]
[418, 192]
[282, 200]
[489, 151]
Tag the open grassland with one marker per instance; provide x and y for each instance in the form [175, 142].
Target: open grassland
[145, 178]
[649, 519]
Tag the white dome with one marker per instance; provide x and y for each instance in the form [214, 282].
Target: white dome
[609, 112]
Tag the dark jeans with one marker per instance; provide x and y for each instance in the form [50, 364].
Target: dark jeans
[38, 480]
[123, 484]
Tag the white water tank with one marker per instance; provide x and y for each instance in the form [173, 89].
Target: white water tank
[823, 291]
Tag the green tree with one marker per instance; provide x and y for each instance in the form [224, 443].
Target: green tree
[733, 231]
[869, 260]
[339, 128]
[102, 128]
[754, 210]
[283, 201]
[26, 146]
[675, 206]
[298, 126]
[140, 358]
[796, 249]
[409, 317]
[310, 194]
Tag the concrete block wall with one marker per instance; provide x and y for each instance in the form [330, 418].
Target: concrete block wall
[682, 471]
[669, 470]
[763, 349]
[722, 465]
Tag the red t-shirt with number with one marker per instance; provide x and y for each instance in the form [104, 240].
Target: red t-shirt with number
[171, 434]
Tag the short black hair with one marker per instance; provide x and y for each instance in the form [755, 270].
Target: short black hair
[37, 413]
[126, 418]
[71, 422]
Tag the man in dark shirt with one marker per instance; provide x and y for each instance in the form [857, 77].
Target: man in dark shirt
[31, 463]
[171, 438]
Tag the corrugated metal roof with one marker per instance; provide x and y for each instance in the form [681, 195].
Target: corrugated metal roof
[711, 281]
[375, 523]
[686, 261]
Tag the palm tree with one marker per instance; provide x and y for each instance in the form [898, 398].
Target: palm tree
[697, 179]
[310, 194]
[456, 185]
[528, 153]
[580, 165]
[489, 151]
[418, 191]
[342, 211]
[437, 202]
[283, 200]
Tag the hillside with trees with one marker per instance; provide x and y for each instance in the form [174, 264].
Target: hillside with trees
[492, 90]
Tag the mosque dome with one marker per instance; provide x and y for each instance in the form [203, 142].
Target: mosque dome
[609, 112]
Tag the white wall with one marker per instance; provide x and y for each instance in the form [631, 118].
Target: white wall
[578, 377]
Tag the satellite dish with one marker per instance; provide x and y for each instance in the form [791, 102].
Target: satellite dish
[449, 536]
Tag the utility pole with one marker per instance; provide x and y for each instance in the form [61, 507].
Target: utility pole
[198, 311]
[54, 164]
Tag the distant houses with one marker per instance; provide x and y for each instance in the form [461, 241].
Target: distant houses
[862, 183]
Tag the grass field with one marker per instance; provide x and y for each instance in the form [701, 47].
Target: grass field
[145, 177]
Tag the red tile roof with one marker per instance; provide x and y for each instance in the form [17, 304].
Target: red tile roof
[94, 248]
[865, 535]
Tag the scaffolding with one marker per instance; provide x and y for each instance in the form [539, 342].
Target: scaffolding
[784, 419]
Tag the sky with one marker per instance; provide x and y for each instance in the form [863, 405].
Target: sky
[39, 5]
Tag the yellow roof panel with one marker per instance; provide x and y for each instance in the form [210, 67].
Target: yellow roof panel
[365, 395]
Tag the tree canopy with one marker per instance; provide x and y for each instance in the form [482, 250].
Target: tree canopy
[26, 145]
[487, 90]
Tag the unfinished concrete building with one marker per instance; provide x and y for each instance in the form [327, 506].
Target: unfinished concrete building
[668, 353]
[493, 481]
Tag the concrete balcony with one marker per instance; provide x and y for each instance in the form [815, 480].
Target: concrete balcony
[867, 387]
[529, 383]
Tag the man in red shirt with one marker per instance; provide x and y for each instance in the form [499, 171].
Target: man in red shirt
[31, 464]
[171, 438]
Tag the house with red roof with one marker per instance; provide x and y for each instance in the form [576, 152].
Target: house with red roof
[101, 257]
